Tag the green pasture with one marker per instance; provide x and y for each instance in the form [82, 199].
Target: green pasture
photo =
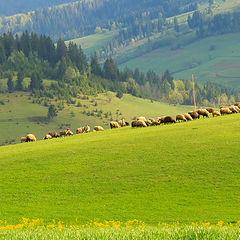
[20, 116]
[186, 172]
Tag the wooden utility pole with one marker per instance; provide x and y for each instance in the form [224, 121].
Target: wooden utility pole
[194, 98]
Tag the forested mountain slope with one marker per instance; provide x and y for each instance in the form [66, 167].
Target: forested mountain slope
[10, 7]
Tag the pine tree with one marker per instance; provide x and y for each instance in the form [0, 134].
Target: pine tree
[95, 66]
[176, 26]
[36, 82]
[10, 84]
[20, 78]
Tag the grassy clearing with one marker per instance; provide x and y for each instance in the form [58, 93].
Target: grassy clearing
[184, 172]
[19, 116]
[212, 59]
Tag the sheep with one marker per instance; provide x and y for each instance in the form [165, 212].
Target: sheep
[148, 122]
[210, 110]
[187, 116]
[127, 124]
[138, 123]
[180, 117]
[54, 134]
[69, 132]
[155, 123]
[160, 119]
[79, 130]
[23, 139]
[234, 109]
[31, 138]
[87, 129]
[122, 123]
[63, 133]
[225, 110]
[237, 104]
[47, 137]
[114, 124]
[98, 128]
[168, 119]
[142, 118]
[194, 114]
[152, 120]
[203, 112]
[216, 113]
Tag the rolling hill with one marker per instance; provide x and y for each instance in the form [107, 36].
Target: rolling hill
[20, 116]
[184, 172]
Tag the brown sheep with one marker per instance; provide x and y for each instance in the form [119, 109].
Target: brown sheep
[152, 119]
[225, 110]
[31, 138]
[237, 104]
[194, 114]
[234, 109]
[48, 136]
[79, 130]
[63, 133]
[98, 128]
[210, 110]
[122, 123]
[169, 119]
[114, 124]
[180, 117]
[142, 118]
[155, 123]
[203, 112]
[160, 119]
[87, 129]
[188, 116]
[54, 134]
[148, 122]
[127, 124]
[216, 113]
[23, 139]
[138, 123]
[69, 132]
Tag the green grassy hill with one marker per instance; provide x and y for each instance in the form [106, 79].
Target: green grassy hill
[184, 172]
[20, 116]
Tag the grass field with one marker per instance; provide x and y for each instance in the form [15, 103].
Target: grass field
[106, 231]
[214, 59]
[19, 116]
[187, 172]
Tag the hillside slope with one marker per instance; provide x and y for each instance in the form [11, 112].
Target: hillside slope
[184, 172]
[20, 116]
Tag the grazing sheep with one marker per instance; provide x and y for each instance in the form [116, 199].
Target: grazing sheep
[63, 133]
[127, 123]
[54, 134]
[187, 116]
[47, 137]
[237, 104]
[31, 138]
[216, 113]
[69, 132]
[225, 110]
[138, 123]
[194, 114]
[148, 122]
[79, 130]
[98, 128]
[210, 110]
[142, 118]
[203, 112]
[23, 139]
[169, 119]
[180, 117]
[87, 129]
[234, 109]
[114, 124]
[152, 119]
[122, 123]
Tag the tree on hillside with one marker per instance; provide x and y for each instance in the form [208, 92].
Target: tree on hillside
[10, 84]
[111, 70]
[52, 112]
[36, 82]
[20, 78]
[95, 66]
[176, 26]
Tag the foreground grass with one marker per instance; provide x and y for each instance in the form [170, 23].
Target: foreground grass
[131, 233]
[184, 172]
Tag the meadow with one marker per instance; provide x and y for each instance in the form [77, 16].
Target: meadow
[186, 172]
[20, 116]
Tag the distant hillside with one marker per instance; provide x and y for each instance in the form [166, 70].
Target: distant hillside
[10, 7]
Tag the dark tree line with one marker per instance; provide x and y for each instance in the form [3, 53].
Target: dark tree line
[38, 58]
